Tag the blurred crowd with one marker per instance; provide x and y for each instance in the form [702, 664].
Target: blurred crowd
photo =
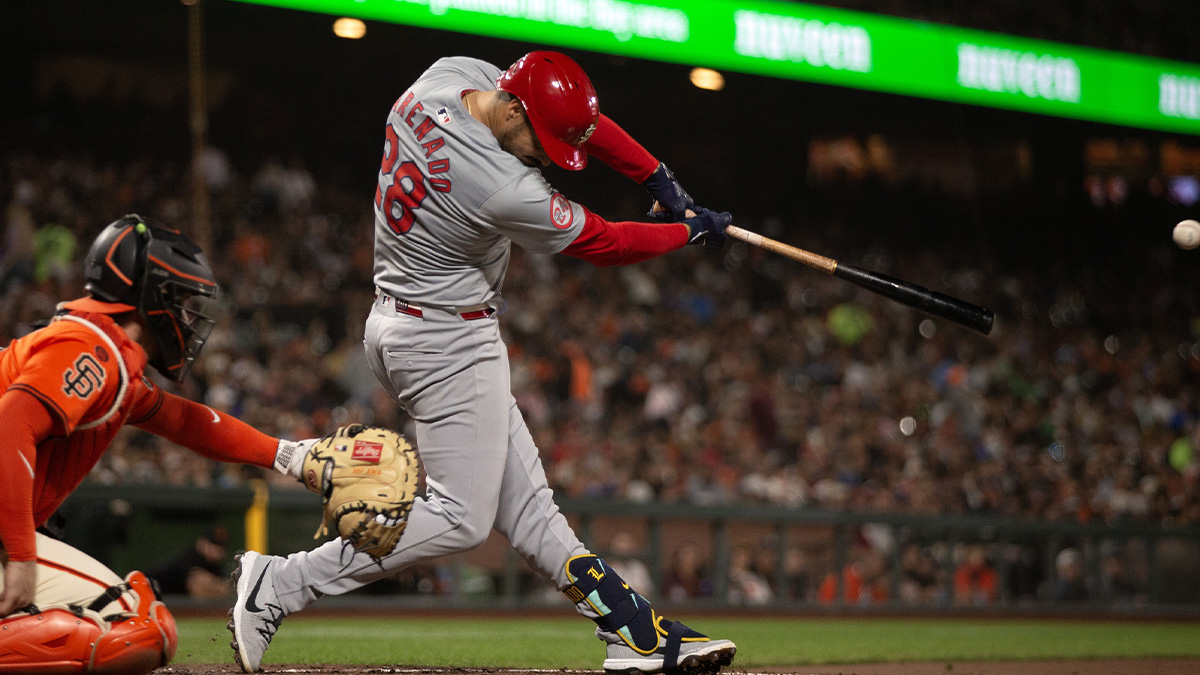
[703, 377]
[973, 575]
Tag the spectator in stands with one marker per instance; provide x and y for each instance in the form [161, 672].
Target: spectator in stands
[624, 557]
[17, 252]
[920, 580]
[864, 580]
[1070, 582]
[745, 586]
[198, 570]
[687, 575]
[1118, 582]
[975, 579]
[796, 576]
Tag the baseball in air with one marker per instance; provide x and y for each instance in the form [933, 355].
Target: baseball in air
[1187, 234]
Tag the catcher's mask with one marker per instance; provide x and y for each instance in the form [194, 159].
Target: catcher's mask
[138, 265]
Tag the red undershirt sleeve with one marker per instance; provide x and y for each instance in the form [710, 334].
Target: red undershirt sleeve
[610, 144]
[24, 422]
[605, 244]
[210, 433]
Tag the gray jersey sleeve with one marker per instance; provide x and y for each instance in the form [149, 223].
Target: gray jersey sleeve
[529, 212]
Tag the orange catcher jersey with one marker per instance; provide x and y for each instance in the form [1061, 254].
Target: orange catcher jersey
[88, 373]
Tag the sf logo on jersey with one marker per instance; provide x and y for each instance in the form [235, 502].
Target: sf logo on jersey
[86, 377]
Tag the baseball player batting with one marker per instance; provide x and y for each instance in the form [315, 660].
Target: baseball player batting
[459, 183]
[68, 389]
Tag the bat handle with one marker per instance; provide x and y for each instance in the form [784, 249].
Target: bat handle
[826, 265]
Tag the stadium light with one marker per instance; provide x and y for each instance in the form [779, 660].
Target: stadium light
[351, 29]
[706, 78]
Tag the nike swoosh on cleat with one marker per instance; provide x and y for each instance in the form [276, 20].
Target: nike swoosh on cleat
[251, 606]
[216, 417]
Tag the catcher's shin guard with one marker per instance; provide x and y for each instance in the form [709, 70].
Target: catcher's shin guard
[602, 596]
[79, 640]
[140, 641]
[50, 642]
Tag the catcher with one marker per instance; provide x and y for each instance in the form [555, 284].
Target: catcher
[67, 389]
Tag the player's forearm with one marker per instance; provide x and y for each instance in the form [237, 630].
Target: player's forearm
[610, 144]
[211, 433]
[24, 421]
[605, 244]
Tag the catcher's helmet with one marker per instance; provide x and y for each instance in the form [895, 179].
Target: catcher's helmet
[560, 101]
[136, 265]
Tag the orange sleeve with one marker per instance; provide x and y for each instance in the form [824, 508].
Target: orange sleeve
[208, 432]
[24, 422]
[73, 377]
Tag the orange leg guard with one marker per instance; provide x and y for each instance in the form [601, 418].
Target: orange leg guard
[59, 642]
[53, 642]
[138, 643]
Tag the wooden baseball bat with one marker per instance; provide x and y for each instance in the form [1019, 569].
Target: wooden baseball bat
[958, 311]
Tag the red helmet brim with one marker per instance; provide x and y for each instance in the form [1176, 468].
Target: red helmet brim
[560, 152]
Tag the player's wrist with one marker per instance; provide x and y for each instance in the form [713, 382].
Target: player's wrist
[21, 556]
[707, 228]
[289, 457]
[671, 201]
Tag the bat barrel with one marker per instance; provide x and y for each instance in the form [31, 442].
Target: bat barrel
[938, 304]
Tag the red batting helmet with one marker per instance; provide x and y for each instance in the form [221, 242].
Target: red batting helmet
[560, 102]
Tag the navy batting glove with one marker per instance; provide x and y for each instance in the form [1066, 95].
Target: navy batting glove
[707, 228]
[669, 194]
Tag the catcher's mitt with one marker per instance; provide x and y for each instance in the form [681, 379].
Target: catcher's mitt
[367, 479]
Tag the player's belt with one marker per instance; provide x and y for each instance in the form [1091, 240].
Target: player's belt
[413, 309]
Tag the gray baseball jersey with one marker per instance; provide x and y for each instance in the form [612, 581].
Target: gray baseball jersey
[449, 204]
[450, 201]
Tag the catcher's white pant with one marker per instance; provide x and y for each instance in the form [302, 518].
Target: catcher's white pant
[452, 376]
[87, 620]
[68, 576]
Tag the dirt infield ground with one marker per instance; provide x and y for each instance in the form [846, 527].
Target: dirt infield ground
[1109, 667]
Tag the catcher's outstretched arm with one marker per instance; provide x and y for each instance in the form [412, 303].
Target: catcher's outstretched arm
[211, 433]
